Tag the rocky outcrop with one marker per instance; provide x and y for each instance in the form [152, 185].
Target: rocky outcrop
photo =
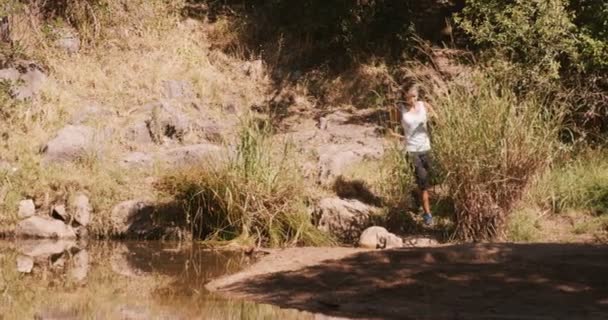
[72, 143]
[379, 238]
[42, 227]
[344, 219]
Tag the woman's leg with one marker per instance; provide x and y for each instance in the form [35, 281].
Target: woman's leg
[426, 203]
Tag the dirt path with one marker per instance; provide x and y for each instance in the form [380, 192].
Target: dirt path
[494, 281]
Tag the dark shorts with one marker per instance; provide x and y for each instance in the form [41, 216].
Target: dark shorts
[422, 164]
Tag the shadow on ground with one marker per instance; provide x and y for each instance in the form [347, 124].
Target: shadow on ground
[494, 281]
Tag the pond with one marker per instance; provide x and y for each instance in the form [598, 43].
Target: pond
[54, 279]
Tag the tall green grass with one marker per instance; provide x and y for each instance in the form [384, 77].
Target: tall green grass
[257, 195]
[490, 143]
[578, 184]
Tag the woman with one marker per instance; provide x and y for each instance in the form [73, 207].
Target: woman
[414, 118]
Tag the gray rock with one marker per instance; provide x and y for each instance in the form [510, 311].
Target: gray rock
[345, 219]
[28, 84]
[167, 122]
[25, 264]
[139, 133]
[81, 209]
[175, 89]
[137, 160]
[59, 212]
[72, 143]
[42, 227]
[334, 159]
[379, 238]
[130, 216]
[26, 208]
[44, 248]
[80, 266]
[192, 155]
[9, 74]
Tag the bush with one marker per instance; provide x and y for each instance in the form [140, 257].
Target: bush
[489, 145]
[257, 196]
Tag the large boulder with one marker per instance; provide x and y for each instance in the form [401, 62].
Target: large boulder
[42, 249]
[132, 217]
[379, 238]
[344, 219]
[72, 143]
[42, 227]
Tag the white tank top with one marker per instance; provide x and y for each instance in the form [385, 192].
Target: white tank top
[415, 128]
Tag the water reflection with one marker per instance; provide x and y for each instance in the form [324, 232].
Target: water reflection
[127, 280]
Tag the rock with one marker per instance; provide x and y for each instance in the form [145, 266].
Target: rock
[59, 213]
[166, 121]
[41, 227]
[26, 208]
[345, 219]
[139, 133]
[176, 89]
[26, 83]
[80, 266]
[334, 159]
[72, 143]
[132, 216]
[379, 238]
[137, 160]
[192, 155]
[44, 248]
[82, 209]
[25, 264]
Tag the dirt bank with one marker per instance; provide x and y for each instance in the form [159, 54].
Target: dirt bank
[490, 281]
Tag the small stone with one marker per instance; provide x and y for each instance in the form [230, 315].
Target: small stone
[25, 264]
[82, 209]
[26, 208]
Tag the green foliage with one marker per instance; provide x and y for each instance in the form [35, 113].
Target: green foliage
[579, 184]
[257, 196]
[490, 144]
[534, 33]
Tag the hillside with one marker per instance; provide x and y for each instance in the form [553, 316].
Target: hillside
[271, 123]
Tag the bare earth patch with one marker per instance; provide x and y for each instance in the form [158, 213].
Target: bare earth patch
[484, 281]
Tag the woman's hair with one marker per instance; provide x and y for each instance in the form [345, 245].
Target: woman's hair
[411, 92]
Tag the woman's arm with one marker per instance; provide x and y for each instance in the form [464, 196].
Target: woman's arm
[430, 109]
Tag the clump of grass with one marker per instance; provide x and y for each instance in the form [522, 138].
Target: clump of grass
[578, 184]
[490, 143]
[522, 226]
[258, 195]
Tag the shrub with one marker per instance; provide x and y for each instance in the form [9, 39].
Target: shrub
[257, 196]
[489, 144]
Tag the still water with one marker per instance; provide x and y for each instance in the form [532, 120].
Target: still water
[121, 280]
